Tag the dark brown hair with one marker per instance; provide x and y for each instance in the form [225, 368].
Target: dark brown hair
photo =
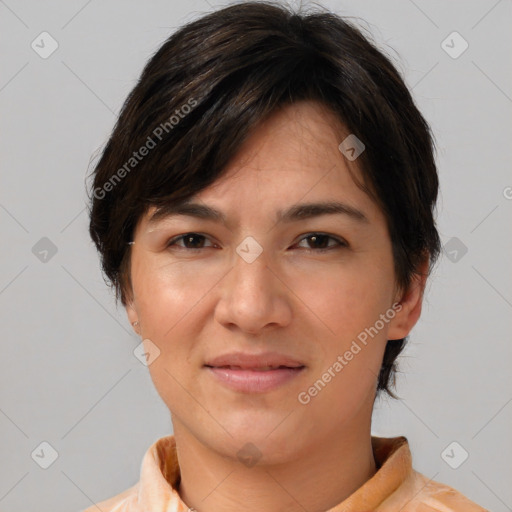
[215, 79]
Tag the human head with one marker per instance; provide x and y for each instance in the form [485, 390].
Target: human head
[214, 80]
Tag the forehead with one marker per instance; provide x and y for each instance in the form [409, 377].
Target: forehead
[291, 157]
[305, 132]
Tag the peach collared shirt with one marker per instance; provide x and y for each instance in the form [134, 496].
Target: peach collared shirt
[395, 486]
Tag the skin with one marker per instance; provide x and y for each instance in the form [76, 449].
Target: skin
[195, 304]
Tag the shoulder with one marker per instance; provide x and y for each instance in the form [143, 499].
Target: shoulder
[125, 501]
[431, 496]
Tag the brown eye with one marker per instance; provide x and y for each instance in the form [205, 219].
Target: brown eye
[189, 241]
[320, 242]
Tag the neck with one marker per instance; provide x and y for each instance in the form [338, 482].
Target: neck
[320, 477]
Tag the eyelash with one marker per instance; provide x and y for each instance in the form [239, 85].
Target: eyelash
[340, 243]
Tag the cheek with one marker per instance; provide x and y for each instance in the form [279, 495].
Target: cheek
[343, 300]
[349, 306]
[347, 303]
[166, 294]
[167, 304]
[171, 303]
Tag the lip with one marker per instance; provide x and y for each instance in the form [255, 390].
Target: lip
[247, 361]
[248, 373]
[254, 381]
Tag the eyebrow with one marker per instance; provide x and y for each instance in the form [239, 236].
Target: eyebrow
[295, 213]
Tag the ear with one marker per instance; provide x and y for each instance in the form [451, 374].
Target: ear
[411, 301]
[132, 314]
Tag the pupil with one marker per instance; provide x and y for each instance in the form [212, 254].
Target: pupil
[316, 238]
[190, 239]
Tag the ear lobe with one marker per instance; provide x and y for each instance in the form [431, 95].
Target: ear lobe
[131, 313]
[411, 304]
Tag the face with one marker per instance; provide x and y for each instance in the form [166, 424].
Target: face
[304, 287]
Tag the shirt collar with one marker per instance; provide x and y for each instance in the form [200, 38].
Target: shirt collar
[160, 476]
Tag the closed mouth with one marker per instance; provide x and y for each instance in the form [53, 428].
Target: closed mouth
[257, 369]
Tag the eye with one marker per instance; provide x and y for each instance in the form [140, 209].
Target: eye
[196, 241]
[190, 241]
[322, 239]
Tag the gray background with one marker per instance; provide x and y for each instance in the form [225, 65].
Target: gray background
[68, 375]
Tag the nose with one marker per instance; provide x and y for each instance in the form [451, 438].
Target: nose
[254, 297]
